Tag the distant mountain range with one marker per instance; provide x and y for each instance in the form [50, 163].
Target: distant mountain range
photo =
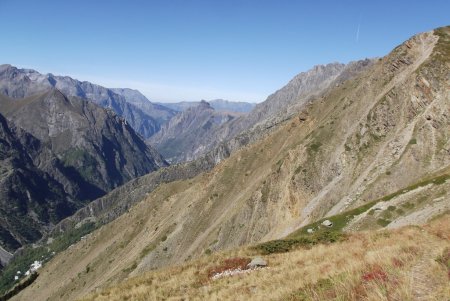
[220, 105]
[187, 130]
[145, 117]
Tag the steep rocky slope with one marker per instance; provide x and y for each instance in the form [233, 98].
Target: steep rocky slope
[377, 143]
[146, 118]
[186, 131]
[58, 153]
[24, 188]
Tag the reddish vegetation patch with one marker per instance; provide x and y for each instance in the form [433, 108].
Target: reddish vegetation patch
[229, 264]
[375, 273]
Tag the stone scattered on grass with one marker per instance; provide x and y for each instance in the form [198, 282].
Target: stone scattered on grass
[257, 262]
[327, 223]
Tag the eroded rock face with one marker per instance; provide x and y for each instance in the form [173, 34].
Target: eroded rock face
[58, 153]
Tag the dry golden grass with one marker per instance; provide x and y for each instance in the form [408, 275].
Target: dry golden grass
[380, 265]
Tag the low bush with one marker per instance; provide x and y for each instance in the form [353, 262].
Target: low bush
[383, 222]
[285, 245]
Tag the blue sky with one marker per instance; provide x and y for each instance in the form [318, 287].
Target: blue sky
[191, 50]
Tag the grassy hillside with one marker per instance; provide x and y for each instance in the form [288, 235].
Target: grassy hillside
[410, 263]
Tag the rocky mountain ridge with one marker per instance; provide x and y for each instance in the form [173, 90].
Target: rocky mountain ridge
[145, 117]
[281, 105]
[218, 105]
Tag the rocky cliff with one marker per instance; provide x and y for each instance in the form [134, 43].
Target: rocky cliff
[57, 154]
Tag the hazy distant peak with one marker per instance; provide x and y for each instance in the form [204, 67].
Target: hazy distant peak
[204, 103]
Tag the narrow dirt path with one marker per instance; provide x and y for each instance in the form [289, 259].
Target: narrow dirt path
[423, 283]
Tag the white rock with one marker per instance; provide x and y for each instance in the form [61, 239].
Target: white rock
[257, 262]
[327, 223]
[35, 266]
[310, 230]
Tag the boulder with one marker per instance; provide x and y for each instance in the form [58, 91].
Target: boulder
[310, 230]
[327, 223]
[257, 262]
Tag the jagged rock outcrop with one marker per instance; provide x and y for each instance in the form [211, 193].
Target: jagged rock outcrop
[145, 118]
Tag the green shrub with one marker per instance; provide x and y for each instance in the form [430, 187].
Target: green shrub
[400, 211]
[19, 287]
[23, 260]
[314, 146]
[147, 250]
[287, 244]
[131, 268]
[383, 222]
[408, 205]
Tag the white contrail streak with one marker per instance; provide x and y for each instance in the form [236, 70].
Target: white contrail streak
[357, 33]
[357, 30]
